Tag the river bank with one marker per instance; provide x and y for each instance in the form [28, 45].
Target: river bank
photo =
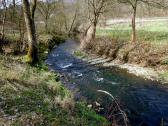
[143, 59]
[144, 72]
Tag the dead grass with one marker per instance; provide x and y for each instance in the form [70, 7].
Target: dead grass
[141, 53]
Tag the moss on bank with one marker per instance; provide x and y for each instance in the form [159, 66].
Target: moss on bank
[80, 54]
[34, 96]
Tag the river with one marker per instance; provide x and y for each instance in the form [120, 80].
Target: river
[144, 101]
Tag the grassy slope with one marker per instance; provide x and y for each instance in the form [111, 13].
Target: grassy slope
[33, 96]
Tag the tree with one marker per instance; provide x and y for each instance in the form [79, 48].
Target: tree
[134, 4]
[46, 9]
[95, 8]
[29, 12]
[70, 13]
[4, 6]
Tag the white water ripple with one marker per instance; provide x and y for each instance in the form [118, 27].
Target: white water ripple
[64, 66]
[99, 79]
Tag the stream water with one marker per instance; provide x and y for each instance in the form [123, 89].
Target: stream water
[144, 101]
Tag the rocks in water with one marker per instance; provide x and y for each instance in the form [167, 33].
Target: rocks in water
[90, 106]
[97, 104]
[99, 79]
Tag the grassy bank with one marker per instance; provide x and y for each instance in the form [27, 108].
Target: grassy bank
[34, 96]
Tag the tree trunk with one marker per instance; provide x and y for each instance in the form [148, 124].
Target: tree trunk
[72, 24]
[22, 32]
[3, 26]
[133, 39]
[32, 55]
[89, 36]
[3, 20]
[46, 25]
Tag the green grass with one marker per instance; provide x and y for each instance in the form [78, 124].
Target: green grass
[31, 95]
[80, 54]
[164, 76]
[12, 37]
[154, 32]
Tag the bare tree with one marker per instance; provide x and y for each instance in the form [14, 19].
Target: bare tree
[134, 4]
[73, 22]
[95, 8]
[71, 14]
[46, 9]
[65, 17]
[29, 12]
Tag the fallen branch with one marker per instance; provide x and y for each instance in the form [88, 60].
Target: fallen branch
[121, 112]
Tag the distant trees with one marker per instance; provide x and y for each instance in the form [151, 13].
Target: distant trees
[29, 12]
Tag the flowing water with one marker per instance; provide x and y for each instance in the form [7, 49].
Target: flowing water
[144, 101]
